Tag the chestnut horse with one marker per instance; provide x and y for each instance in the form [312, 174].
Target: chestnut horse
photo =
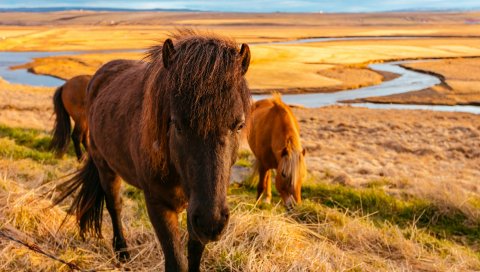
[274, 137]
[69, 101]
[171, 127]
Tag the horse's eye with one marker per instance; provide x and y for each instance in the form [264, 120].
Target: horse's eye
[240, 126]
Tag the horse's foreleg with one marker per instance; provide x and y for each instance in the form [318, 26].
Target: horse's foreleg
[77, 137]
[268, 187]
[165, 223]
[195, 252]
[111, 184]
[264, 183]
[260, 185]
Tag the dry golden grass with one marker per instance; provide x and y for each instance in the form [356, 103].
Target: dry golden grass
[315, 67]
[433, 155]
[288, 68]
[357, 143]
[255, 240]
[66, 67]
[461, 75]
[27, 215]
[107, 30]
[25, 106]
[292, 73]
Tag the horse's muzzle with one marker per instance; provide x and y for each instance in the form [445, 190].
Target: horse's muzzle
[209, 228]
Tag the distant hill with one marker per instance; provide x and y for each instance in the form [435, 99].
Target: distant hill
[420, 10]
[56, 9]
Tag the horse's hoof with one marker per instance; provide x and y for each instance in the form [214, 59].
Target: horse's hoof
[121, 251]
[123, 256]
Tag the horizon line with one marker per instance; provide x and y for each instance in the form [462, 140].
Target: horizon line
[113, 9]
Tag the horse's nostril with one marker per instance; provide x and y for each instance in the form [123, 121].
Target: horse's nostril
[217, 231]
[210, 227]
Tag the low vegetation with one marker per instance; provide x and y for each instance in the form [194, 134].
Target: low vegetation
[336, 228]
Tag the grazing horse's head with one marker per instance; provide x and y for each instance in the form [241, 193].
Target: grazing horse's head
[291, 172]
[205, 105]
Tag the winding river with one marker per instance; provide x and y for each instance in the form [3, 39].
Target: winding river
[407, 81]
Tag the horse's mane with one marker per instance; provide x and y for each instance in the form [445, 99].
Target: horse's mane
[293, 141]
[203, 82]
[292, 165]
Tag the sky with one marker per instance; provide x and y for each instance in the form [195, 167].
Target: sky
[258, 5]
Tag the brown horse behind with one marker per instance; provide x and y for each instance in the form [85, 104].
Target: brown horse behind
[171, 127]
[69, 101]
[274, 137]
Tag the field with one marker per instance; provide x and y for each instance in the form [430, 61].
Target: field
[387, 190]
[311, 67]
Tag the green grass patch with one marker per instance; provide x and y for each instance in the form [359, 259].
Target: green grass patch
[140, 209]
[374, 203]
[33, 139]
[380, 182]
[9, 149]
[245, 159]
[382, 207]
[243, 163]
[228, 259]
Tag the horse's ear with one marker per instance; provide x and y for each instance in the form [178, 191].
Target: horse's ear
[284, 152]
[304, 151]
[245, 57]
[167, 53]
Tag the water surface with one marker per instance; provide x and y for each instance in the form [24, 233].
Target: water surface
[406, 82]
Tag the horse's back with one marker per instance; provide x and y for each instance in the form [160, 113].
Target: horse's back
[114, 107]
[73, 96]
[77, 85]
[111, 72]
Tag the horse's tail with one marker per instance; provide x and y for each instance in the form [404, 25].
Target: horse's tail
[88, 203]
[290, 165]
[62, 127]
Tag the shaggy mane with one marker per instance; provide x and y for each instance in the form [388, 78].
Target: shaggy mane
[293, 141]
[202, 85]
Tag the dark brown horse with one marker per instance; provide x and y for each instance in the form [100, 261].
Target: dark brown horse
[274, 137]
[69, 101]
[171, 127]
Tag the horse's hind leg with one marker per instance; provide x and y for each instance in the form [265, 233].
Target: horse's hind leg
[77, 137]
[85, 140]
[111, 184]
[264, 185]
